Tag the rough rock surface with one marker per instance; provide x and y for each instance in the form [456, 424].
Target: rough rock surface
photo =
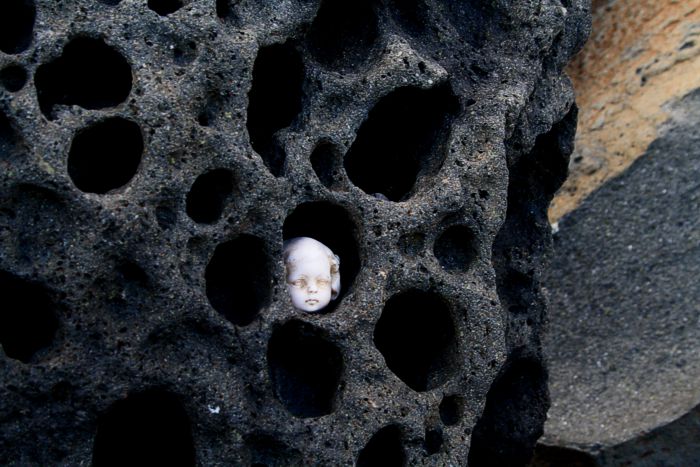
[624, 338]
[642, 55]
[156, 153]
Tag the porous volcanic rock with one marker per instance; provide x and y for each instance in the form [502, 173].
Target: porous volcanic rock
[156, 153]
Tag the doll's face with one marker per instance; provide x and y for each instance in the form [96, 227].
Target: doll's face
[313, 277]
[309, 283]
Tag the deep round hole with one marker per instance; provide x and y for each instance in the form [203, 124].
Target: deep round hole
[16, 25]
[451, 409]
[403, 138]
[416, 336]
[274, 101]
[331, 225]
[149, 428]
[384, 449]
[238, 279]
[9, 139]
[305, 369]
[327, 162]
[165, 7]
[208, 195]
[28, 321]
[89, 73]
[343, 34]
[13, 78]
[455, 248]
[514, 415]
[105, 156]
[433, 440]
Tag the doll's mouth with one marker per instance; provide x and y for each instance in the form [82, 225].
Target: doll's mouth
[311, 301]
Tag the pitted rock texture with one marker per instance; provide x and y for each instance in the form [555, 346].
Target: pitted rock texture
[156, 154]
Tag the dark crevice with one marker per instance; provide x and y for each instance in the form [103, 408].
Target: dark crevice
[305, 369]
[416, 336]
[28, 321]
[106, 155]
[451, 409]
[556, 456]
[384, 449]
[208, 195]
[237, 292]
[403, 138]
[455, 248]
[13, 77]
[16, 25]
[343, 34]
[89, 73]
[411, 15]
[165, 7]
[149, 428]
[327, 162]
[331, 225]
[10, 141]
[514, 415]
[433, 440]
[476, 21]
[274, 101]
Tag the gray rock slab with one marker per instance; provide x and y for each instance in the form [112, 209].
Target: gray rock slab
[624, 332]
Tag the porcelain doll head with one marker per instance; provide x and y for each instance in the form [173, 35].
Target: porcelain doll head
[312, 273]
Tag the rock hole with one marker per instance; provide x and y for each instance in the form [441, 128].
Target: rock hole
[185, 53]
[514, 415]
[455, 248]
[225, 12]
[28, 321]
[305, 369]
[149, 428]
[433, 440]
[327, 163]
[166, 217]
[105, 156]
[412, 244]
[416, 336]
[16, 25]
[89, 73]
[274, 101]
[9, 140]
[110, 2]
[404, 137]
[165, 7]
[208, 195]
[13, 78]
[239, 293]
[343, 34]
[411, 15]
[384, 449]
[451, 409]
[331, 225]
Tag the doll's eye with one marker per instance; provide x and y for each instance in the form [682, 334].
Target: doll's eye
[299, 283]
[323, 282]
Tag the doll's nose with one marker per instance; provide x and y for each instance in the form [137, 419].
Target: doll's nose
[312, 288]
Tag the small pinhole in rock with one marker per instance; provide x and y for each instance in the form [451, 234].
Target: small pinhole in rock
[13, 77]
[331, 225]
[327, 162]
[412, 244]
[149, 428]
[165, 7]
[384, 449]
[416, 335]
[110, 2]
[166, 217]
[274, 101]
[305, 368]
[28, 321]
[184, 54]
[16, 25]
[455, 248]
[208, 195]
[89, 73]
[105, 156]
[451, 409]
[238, 292]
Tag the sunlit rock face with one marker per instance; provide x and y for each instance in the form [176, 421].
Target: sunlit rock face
[160, 154]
